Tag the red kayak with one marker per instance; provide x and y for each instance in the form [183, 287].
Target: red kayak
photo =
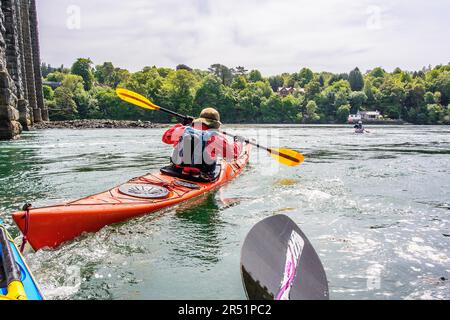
[53, 225]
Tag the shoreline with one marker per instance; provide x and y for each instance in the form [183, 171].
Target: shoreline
[97, 124]
[130, 124]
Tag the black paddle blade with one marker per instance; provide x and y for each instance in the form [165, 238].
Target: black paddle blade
[279, 263]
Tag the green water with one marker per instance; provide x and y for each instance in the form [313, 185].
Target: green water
[375, 207]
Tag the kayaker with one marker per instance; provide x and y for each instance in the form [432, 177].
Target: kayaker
[359, 125]
[198, 143]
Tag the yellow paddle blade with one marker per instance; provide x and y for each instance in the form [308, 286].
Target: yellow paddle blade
[287, 157]
[136, 99]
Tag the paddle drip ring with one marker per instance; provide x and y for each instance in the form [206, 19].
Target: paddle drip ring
[144, 191]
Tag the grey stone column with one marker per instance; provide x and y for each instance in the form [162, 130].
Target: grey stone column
[10, 127]
[29, 61]
[26, 117]
[14, 59]
[37, 60]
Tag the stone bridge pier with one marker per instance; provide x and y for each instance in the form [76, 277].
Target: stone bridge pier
[21, 96]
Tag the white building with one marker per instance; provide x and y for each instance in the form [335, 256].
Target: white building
[370, 115]
[364, 116]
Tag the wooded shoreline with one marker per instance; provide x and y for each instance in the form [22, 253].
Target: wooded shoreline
[128, 124]
[97, 124]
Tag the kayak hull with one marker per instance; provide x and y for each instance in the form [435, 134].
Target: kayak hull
[53, 225]
[29, 283]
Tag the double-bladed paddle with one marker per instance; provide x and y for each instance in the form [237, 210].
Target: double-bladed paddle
[285, 156]
[279, 263]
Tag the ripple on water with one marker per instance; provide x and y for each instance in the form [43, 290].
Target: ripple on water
[375, 208]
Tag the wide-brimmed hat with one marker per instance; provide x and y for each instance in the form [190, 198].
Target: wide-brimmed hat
[210, 117]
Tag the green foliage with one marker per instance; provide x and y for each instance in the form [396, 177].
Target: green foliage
[56, 76]
[108, 75]
[240, 71]
[65, 107]
[48, 92]
[435, 113]
[312, 90]
[429, 98]
[304, 77]
[420, 97]
[270, 109]
[83, 68]
[255, 76]
[212, 93]
[377, 73]
[239, 83]
[343, 113]
[311, 112]
[357, 99]
[224, 73]
[356, 80]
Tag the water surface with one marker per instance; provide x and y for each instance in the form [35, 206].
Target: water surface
[375, 207]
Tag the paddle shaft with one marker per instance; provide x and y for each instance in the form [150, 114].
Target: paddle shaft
[143, 102]
[231, 135]
[269, 150]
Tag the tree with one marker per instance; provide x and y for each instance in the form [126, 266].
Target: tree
[223, 73]
[255, 76]
[311, 109]
[304, 77]
[103, 73]
[83, 68]
[183, 67]
[271, 109]
[65, 107]
[211, 94]
[48, 92]
[276, 82]
[342, 113]
[110, 106]
[442, 84]
[392, 97]
[420, 97]
[240, 71]
[86, 105]
[312, 90]
[239, 83]
[356, 80]
[377, 73]
[179, 88]
[290, 109]
[429, 98]
[108, 75]
[370, 93]
[357, 99]
[46, 69]
[73, 83]
[435, 113]
[56, 76]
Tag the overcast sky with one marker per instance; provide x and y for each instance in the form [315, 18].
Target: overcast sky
[273, 36]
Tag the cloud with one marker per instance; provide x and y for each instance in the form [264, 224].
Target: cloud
[269, 35]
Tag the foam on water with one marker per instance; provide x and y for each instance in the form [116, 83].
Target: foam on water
[375, 207]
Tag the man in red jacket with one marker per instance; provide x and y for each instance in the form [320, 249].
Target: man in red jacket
[197, 144]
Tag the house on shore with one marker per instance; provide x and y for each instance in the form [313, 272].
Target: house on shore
[285, 91]
[365, 116]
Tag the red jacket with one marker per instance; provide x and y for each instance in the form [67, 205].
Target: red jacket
[218, 145]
